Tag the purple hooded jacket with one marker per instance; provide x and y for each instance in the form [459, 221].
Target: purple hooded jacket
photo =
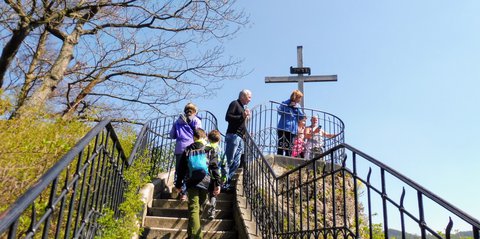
[183, 132]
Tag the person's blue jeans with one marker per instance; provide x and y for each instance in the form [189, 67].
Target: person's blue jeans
[233, 152]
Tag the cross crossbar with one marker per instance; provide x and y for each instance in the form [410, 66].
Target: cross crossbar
[300, 78]
[290, 79]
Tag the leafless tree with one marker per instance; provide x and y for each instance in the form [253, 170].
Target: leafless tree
[20, 18]
[122, 58]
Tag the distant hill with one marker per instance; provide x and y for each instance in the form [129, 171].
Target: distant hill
[466, 234]
[392, 233]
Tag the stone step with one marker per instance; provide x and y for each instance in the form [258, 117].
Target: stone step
[164, 233]
[178, 204]
[182, 223]
[183, 213]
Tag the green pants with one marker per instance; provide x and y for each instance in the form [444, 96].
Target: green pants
[196, 198]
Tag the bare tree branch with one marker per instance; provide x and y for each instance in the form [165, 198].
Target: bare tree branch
[122, 58]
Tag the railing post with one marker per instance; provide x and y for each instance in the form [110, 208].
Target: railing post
[384, 203]
[315, 196]
[355, 190]
[50, 207]
[421, 215]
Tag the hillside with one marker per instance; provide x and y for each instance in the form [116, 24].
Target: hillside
[392, 233]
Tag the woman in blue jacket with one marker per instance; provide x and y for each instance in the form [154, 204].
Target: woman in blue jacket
[290, 112]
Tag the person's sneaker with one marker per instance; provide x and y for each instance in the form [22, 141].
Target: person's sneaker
[174, 194]
[212, 213]
[205, 209]
[182, 196]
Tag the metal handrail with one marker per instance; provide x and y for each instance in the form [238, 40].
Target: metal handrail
[273, 197]
[293, 204]
[154, 139]
[263, 126]
[96, 183]
[92, 149]
[450, 207]
[278, 216]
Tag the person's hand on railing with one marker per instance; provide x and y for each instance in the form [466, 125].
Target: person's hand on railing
[331, 135]
[247, 113]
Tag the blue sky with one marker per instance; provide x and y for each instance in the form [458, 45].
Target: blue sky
[408, 80]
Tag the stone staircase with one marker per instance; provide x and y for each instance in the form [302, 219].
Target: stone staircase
[168, 218]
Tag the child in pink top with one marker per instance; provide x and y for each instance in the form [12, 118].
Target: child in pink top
[299, 146]
[298, 149]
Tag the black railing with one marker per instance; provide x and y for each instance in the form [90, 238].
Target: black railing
[354, 196]
[263, 128]
[341, 193]
[67, 200]
[154, 140]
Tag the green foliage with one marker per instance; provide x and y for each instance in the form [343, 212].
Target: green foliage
[29, 147]
[377, 231]
[5, 103]
[290, 167]
[127, 136]
[126, 225]
[161, 156]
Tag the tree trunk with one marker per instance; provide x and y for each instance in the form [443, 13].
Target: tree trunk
[11, 48]
[30, 75]
[50, 82]
[53, 78]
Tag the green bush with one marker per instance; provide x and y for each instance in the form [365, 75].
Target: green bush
[29, 147]
[127, 136]
[126, 225]
[5, 103]
[32, 145]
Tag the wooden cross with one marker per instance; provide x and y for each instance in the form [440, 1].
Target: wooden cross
[300, 78]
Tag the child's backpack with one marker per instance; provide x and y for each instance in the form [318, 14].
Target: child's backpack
[221, 160]
[197, 160]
